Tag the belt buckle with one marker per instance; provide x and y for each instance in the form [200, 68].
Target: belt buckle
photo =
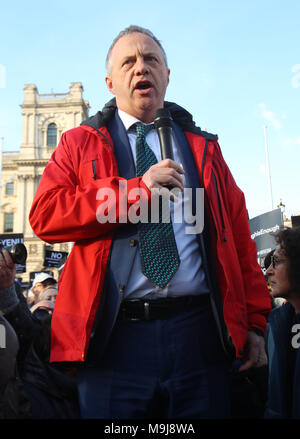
[147, 310]
[133, 319]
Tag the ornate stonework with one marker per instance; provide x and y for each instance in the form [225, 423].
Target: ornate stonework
[22, 170]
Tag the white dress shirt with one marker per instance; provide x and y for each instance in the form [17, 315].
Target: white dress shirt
[189, 278]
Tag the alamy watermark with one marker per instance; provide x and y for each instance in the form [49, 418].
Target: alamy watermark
[2, 76]
[134, 206]
[2, 337]
[296, 77]
[296, 337]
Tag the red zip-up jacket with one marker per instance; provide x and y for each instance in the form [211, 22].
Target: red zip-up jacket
[65, 207]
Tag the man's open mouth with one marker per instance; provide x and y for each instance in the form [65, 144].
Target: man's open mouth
[143, 85]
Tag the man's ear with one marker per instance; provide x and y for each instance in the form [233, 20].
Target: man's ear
[109, 84]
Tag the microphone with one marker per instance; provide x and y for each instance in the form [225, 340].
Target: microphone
[163, 125]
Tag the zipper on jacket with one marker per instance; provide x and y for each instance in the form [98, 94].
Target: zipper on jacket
[203, 162]
[94, 169]
[220, 207]
[104, 137]
[217, 191]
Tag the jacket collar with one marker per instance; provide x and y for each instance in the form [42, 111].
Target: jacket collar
[179, 115]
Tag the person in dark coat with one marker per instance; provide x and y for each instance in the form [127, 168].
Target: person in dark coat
[282, 336]
[13, 404]
[49, 391]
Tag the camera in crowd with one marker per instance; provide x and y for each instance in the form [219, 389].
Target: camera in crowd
[17, 252]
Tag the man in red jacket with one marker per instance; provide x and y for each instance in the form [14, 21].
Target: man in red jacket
[155, 314]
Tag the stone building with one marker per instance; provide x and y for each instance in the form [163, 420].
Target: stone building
[45, 118]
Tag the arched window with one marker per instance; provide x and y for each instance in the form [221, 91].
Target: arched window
[51, 135]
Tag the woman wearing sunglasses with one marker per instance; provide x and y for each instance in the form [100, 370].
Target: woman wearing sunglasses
[283, 333]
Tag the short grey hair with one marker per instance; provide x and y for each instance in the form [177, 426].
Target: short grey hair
[130, 30]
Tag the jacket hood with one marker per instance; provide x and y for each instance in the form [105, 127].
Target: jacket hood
[180, 116]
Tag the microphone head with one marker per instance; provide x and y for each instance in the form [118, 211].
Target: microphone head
[162, 118]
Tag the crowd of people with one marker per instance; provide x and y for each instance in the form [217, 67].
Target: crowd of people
[148, 320]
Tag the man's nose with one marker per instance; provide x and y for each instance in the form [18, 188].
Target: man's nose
[141, 66]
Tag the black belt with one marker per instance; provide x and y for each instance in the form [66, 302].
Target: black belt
[142, 309]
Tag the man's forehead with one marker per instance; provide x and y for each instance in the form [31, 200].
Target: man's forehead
[135, 42]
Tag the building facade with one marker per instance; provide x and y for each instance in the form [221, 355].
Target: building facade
[45, 117]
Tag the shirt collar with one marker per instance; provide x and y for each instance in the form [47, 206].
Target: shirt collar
[128, 120]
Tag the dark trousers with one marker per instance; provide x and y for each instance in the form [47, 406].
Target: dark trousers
[173, 368]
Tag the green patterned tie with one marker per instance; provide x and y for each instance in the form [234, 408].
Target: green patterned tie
[158, 250]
